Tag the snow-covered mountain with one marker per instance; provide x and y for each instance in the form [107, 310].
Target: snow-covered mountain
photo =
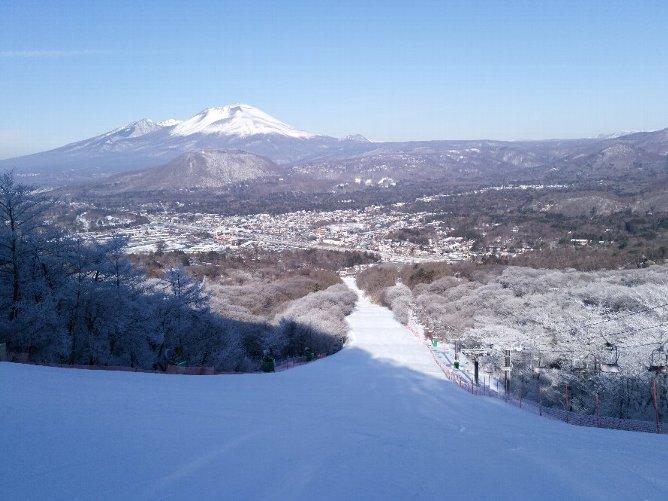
[239, 120]
[147, 143]
[109, 140]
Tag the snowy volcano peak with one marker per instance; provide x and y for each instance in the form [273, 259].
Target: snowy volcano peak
[236, 120]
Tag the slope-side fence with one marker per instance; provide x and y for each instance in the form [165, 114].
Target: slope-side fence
[571, 417]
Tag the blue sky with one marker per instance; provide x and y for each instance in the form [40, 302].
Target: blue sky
[388, 70]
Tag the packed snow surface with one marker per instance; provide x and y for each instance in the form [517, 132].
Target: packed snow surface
[375, 421]
[236, 120]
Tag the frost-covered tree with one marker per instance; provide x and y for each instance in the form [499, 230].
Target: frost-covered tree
[398, 298]
[316, 322]
[588, 333]
[29, 267]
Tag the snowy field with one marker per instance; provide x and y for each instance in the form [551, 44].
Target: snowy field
[375, 421]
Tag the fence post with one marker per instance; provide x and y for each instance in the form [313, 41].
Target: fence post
[540, 397]
[656, 406]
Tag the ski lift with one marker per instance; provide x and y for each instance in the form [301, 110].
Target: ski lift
[612, 365]
[507, 362]
[536, 363]
[585, 365]
[475, 354]
[488, 368]
[659, 361]
[579, 365]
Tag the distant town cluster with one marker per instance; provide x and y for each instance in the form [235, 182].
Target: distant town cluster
[368, 230]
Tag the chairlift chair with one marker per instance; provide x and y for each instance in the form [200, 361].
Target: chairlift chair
[536, 363]
[659, 361]
[585, 365]
[507, 361]
[578, 365]
[613, 363]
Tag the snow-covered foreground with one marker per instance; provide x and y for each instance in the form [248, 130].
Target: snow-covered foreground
[376, 420]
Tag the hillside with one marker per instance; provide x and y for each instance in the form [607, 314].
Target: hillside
[375, 421]
[202, 169]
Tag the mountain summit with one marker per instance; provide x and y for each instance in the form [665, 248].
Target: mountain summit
[239, 120]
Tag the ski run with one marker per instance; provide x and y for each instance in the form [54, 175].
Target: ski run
[378, 420]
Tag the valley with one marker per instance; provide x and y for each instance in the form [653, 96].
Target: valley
[233, 177]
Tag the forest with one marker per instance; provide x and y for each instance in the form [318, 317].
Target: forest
[68, 301]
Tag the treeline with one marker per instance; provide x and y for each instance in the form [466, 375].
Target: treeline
[68, 301]
[235, 264]
[587, 258]
[585, 227]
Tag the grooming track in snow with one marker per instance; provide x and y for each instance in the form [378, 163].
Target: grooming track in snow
[378, 420]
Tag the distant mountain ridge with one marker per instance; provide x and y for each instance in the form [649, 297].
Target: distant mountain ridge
[240, 127]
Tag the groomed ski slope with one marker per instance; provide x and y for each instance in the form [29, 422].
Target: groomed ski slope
[375, 421]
